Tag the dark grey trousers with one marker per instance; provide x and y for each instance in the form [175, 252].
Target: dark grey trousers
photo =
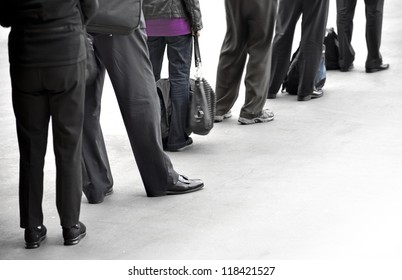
[41, 93]
[374, 17]
[250, 27]
[314, 19]
[126, 60]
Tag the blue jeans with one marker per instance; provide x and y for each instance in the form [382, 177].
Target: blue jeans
[179, 51]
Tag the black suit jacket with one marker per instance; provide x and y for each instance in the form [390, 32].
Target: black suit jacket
[46, 32]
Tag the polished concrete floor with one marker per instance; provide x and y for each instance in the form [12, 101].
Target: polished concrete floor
[323, 181]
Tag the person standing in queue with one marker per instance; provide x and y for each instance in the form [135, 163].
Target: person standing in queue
[47, 67]
[126, 60]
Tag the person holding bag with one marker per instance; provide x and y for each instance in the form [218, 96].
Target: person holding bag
[171, 24]
[47, 67]
[121, 50]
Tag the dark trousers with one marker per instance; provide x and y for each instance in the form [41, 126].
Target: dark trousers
[250, 26]
[38, 95]
[314, 19]
[126, 60]
[179, 50]
[374, 17]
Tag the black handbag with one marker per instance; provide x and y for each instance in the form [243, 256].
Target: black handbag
[332, 49]
[119, 17]
[203, 99]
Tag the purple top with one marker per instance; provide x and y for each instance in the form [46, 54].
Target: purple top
[168, 27]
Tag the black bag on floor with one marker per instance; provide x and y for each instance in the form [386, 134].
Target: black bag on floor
[163, 89]
[332, 50]
[203, 99]
[291, 82]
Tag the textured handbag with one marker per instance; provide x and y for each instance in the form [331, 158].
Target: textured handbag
[203, 99]
[119, 17]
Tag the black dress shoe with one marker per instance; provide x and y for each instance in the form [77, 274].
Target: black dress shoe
[185, 185]
[92, 199]
[187, 144]
[74, 234]
[316, 94]
[346, 68]
[34, 236]
[271, 96]
[382, 67]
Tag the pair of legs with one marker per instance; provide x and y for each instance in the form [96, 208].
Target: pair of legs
[250, 26]
[38, 94]
[314, 19]
[179, 50]
[374, 18]
[126, 59]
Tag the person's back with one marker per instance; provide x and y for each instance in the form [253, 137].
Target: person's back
[45, 33]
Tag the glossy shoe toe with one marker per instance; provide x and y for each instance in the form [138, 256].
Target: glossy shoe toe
[382, 67]
[34, 236]
[185, 185]
[74, 234]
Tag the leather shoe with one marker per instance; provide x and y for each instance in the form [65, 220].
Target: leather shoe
[316, 94]
[74, 234]
[271, 96]
[34, 236]
[187, 144]
[376, 69]
[346, 68]
[185, 185]
[99, 199]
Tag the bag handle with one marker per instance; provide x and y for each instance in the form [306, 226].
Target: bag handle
[197, 57]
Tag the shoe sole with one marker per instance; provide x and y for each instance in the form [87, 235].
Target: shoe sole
[184, 192]
[254, 121]
[374, 70]
[34, 245]
[75, 241]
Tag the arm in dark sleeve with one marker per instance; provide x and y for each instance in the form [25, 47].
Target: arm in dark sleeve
[7, 11]
[89, 9]
[194, 11]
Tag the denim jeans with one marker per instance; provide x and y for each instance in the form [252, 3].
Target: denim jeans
[179, 51]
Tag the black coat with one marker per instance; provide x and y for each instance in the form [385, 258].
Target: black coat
[157, 9]
[46, 32]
